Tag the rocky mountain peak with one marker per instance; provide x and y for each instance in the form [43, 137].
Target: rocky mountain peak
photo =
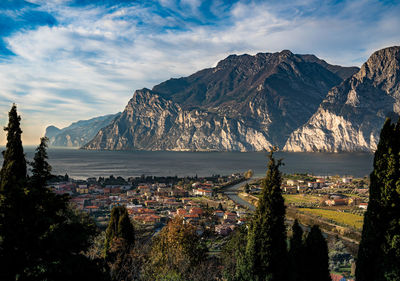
[383, 69]
[352, 114]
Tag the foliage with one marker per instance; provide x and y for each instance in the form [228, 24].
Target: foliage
[233, 251]
[316, 258]
[379, 251]
[297, 253]
[176, 253]
[248, 174]
[119, 227]
[41, 237]
[266, 243]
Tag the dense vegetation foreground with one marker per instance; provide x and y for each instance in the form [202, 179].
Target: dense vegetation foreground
[43, 238]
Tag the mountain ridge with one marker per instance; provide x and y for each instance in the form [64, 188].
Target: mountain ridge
[245, 103]
[352, 114]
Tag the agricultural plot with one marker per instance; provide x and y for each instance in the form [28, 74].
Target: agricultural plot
[347, 219]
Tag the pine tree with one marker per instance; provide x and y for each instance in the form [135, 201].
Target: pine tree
[266, 245]
[316, 259]
[297, 252]
[379, 252]
[119, 227]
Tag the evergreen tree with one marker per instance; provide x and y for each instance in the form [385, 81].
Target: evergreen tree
[41, 237]
[13, 230]
[266, 244]
[379, 252]
[316, 259]
[41, 169]
[233, 251]
[13, 172]
[297, 252]
[119, 227]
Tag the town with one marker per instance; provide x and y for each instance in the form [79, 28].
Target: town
[335, 203]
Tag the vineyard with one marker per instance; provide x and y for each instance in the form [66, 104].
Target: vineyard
[341, 218]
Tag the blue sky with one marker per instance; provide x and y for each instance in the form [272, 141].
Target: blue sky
[65, 60]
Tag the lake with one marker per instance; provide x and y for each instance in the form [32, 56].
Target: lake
[81, 164]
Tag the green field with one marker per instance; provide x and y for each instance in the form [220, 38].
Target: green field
[300, 198]
[343, 218]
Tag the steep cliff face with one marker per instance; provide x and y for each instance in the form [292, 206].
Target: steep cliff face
[245, 103]
[150, 122]
[352, 114]
[272, 92]
[78, 133]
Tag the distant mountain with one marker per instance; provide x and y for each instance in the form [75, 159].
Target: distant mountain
[351, 116]
[245, 103]
[78, 133]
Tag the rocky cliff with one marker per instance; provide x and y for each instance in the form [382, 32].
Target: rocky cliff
[245, 103]
[352, 114]
[78, 133]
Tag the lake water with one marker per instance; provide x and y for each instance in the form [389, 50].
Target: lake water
[81, 164]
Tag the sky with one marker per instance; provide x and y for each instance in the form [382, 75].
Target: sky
[66, 60]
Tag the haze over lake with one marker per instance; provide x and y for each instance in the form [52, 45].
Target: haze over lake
[81, 164]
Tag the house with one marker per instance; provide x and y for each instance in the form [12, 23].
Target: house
[337, 277]
[363, 206]
[196, 211]
[219, 213]
[230, 216]
[336, 202]
[224, 229]
[181, 212]
[202, 192]
[291, 182]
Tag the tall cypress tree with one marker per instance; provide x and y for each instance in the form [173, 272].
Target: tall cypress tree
[297, 253]
[13, 172]
[379, 252]
[266, 248]
[13, 230]
[316, 259]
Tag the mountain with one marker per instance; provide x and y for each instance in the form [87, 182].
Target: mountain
[78, 133]
[352, 114]
[245, 103]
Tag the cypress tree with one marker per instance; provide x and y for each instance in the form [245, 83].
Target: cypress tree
[316, 259]
[266, 250]
[119, 226]
[13, 172]
[41, 169]
[13, 230]
[297, 252]
[379, 252]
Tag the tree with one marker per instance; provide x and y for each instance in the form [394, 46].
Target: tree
[266, 243]
[41, 169]
[316, 259]
[177, 253]
[233, 251]
[379, 252]
[297, 252]
[13, 171]
[119, 227]
[41, 237]
[13, 231]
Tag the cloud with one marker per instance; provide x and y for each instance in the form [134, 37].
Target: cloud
[65, 60]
